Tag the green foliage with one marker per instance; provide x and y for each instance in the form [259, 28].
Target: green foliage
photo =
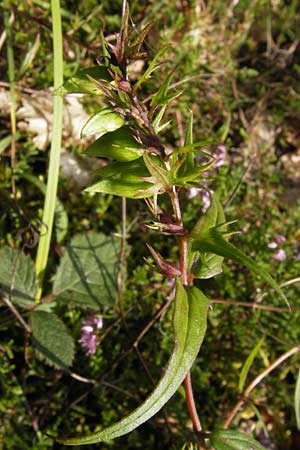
[189, 324]
[232, 440]
[248, 362]
[123, 179]
[104, 121]
[119, 145]
[207, 265]
[17, 277]
[86, 275]
[239, 89]
[85, 81]
[51, 339]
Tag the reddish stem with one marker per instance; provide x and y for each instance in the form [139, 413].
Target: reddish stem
[185, 281]
[191, 402]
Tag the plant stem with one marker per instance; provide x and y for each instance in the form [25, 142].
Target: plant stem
[256, 381]
[12, 92]
[253, 305]
[51, 192]
[191, 402]
[185, 281]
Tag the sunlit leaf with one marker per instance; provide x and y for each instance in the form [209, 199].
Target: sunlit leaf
[232, 440]
[207, 265]
[213, 241]
[102, 122]
[189, 323]
[82, 82]
[52, 339]
[123, 179]
[119, 145]
[17, 277]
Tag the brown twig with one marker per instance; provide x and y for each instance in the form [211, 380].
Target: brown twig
[18, 316]
[254, 305]
[256, 381]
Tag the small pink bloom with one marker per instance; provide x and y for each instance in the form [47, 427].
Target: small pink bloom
[220, 156]
[89, 329]
[280, 238]
[280, 255]
[192, 192]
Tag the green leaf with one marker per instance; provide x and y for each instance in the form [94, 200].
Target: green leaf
[102, 122]
[123, 179]
[119, 145]
[17, 277]
[189, 323]
[153, 65]
[82, 82]
[207, 265]
[52, 339]
[297, 401]
[247, 365]
[87, 272]
[161, 97]
[213, 241]
[6, 141]
[232, 440]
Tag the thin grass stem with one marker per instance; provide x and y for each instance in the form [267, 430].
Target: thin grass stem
[54, 161]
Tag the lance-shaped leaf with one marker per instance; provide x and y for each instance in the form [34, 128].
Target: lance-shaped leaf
[189, 323]
[162, 97]
[119, 145]
[123, 179]
[206, 265]
[102, 122]
[297, 401]
[232, 440]
[83, 82]
[213, 241]
[248, 363]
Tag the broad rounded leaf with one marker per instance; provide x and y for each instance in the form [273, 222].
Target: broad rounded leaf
[83, 82]
[232, 440]
[189, 323]
[102, 122]
[119, 145]
[17, 277]
[52, 339]
[87, 272]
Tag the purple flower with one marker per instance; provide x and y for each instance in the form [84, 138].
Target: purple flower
[280, 255]
[205, 197]
[220, 156]
[193, 192]
[280, 238]
[89, 329]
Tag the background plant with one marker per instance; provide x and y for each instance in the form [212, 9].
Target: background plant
[269, 135]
